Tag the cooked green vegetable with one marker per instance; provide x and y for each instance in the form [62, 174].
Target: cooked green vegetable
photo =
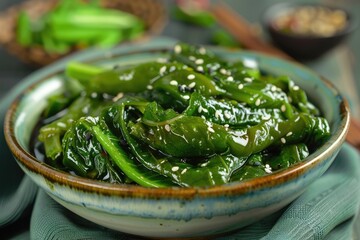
[194, 120]
[77, 23]
[91, 150]
[23, 31]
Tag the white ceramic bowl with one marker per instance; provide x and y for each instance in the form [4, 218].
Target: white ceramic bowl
[173, 212]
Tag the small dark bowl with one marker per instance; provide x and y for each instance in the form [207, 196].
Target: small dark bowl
[304, 47]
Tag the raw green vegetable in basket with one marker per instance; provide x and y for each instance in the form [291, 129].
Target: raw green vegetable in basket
[77, 24]
[193, 120]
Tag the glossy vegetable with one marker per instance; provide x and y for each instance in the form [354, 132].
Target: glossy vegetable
[194, 120]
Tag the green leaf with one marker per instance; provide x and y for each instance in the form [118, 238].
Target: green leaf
[23, 30]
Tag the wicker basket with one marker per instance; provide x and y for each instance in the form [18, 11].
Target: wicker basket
[152, 12]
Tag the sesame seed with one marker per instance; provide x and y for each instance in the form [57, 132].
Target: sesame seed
[213, 68]
[210, 129]
[199, 69]
[183, 171]
[94, 94]
[223, 71]
[202, 50]
[191, 76]
[191, 85]
[227, 115]
[265, 117]
[217, 113]
[200, 109]
[149, 87]
[289, 134]
[199, 61]
[226, 125]
[118, 96]
[247, 79]
[283, 108]
[192, 58]
[177, 49]
[205, 110]
[273, 88]
[241, 86]
[61, 124]
[267, 168]
[258, 102]
[230, 78]
[204, 164]
[283, 140]
[296, 88]
[173, 83]
[175, 168]
[167, 127]
[162, 70]
[186, 97]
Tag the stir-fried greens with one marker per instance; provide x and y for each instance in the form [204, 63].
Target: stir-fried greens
[194, 120]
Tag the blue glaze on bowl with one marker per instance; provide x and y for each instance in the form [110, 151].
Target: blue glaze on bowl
[173, 212]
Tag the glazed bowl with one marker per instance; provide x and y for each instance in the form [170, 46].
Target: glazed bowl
[172, 212]
[305, 46]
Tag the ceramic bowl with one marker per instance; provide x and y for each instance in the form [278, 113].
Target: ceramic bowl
[305, 47]
[172, 212]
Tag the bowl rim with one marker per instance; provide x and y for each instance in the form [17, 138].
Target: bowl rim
[25, 159]
[268, 16]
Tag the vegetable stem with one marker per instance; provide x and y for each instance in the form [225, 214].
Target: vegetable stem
[82, 72]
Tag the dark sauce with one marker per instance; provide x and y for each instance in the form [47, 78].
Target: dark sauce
[37, 147]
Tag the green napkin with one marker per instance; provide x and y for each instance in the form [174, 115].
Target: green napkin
[326, 210]
[16, 192]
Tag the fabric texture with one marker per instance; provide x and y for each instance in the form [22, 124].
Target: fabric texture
[326, 210]
[16, 191]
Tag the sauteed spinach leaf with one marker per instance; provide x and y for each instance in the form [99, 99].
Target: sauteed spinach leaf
[193, 120]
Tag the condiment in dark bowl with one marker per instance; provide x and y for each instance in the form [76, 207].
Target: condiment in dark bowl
[307, 31]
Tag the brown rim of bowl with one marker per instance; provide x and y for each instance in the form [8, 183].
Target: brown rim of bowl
[53, 175]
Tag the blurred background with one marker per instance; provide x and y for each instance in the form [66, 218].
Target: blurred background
[340, 65]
